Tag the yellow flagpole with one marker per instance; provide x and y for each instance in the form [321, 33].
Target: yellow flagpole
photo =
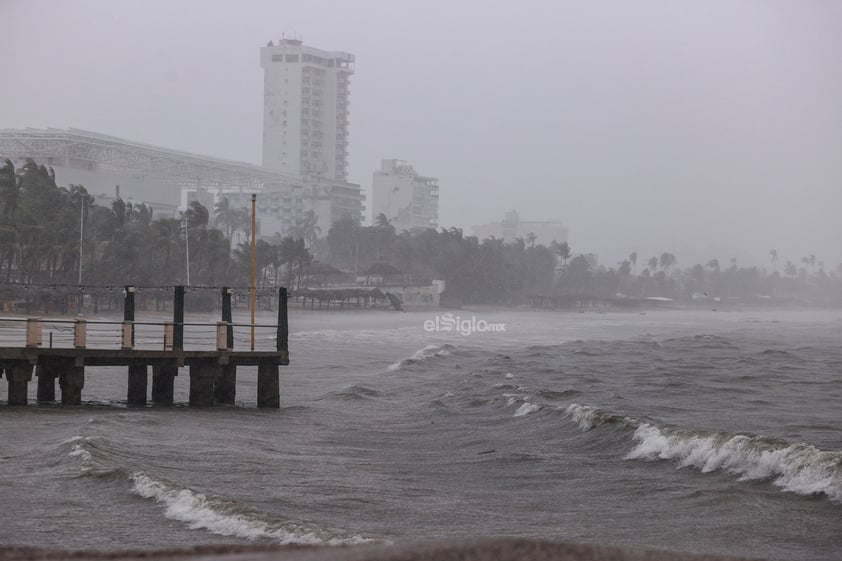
[253, 261]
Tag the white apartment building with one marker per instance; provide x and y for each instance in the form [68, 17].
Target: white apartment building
[305, 125]
[305, 109]
[409, 200]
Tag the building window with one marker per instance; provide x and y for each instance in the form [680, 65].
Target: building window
[292, 58]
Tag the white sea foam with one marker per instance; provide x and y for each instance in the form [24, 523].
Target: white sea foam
[429, 351]
[79, 450]
[200, 512]
[588, 417]
[509, 375]
[794, 467]
[526, 409]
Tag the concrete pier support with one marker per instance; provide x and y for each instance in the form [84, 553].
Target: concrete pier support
[202, 378]
[225, 386]
[268, 386]
[46, 374]
[138, 381]
[71, 379]
[163, 378]
[19, 377]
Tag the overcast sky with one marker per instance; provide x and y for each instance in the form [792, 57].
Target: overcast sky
[712, 129]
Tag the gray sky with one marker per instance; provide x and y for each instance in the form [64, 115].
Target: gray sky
[707, 128]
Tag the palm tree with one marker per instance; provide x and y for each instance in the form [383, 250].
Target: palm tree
[309, 227]
[563, 251]
[667, 260]
[382, 221]
[633, 260]
[773, 255]
[530, 239]
[227, 215]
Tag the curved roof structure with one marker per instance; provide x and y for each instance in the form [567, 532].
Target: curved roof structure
[94, 152]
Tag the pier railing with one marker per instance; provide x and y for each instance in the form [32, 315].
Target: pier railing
[64, 333]
[59, 349]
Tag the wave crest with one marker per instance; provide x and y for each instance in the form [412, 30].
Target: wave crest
[220, 517]
[795, 467]
[428, 352]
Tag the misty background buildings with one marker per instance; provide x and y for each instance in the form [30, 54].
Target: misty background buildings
[706, 130]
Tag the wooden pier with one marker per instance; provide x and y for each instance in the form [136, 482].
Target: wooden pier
[213, 372]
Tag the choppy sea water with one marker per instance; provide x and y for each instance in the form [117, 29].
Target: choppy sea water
[687, 430]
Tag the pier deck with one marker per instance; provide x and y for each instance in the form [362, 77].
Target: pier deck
[212, 371]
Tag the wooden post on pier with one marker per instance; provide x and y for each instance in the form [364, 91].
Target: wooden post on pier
[46, 373]
[138, 382]
[163, 376]
[202, 377]
[71, 379]
[268, 387]
[283, 322]
[163, 384]
[128, 312]
[225, 386]
[178, 319]
[18, 377]
[138, 373]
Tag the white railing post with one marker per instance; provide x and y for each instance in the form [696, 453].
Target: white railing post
[80, 334]
[128, 329]
[33, 332]
[222, 336]
[169, 333]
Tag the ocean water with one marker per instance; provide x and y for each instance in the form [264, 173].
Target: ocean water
[691, 430]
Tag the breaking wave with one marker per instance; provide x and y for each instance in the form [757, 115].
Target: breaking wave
[428, 352]
[198, 511]
[227, 519]
[792, 466]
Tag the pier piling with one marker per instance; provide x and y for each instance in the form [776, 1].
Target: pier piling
[268, 386]
[46, 374]
[225, 391]
[163, 383]
[138, 381]
[71, 379]
[18, 377]
[203, 374]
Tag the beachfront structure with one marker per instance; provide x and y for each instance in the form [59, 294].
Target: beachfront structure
[512, 227]
[305, 125]
[163, 178]
[409, 200]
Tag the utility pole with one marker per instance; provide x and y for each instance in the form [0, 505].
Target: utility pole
[81, 241]
[187, 246]
[81, 236]
[253, 261]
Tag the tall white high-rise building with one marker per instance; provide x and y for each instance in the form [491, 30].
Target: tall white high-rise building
[305, 109]
[409, 200]
[305, 126]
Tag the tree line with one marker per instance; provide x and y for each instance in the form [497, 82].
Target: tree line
[42, 226]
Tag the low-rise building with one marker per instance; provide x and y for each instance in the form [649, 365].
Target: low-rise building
[409, 200]
[512, 227]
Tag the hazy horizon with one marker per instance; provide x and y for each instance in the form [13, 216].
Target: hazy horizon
[707, 129]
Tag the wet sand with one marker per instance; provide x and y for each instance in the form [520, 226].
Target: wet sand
[449, 550]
